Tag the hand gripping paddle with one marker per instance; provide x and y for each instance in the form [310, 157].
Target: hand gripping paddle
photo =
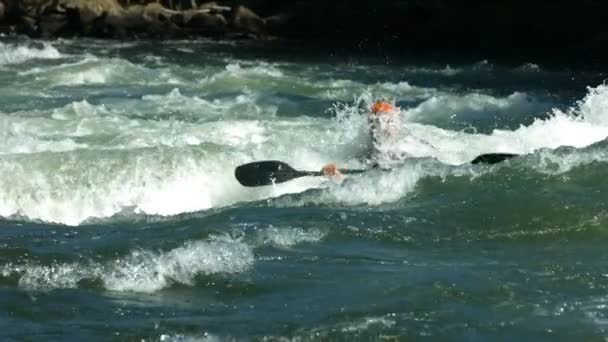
[269, 172]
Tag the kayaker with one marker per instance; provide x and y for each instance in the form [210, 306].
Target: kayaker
[386, 131]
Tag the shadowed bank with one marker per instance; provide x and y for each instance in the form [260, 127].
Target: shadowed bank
[570, 32]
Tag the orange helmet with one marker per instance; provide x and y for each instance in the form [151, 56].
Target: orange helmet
[381, 107]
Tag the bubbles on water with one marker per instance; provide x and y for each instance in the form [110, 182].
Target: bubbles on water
[141, 270]
[190, 338]
[289, 236]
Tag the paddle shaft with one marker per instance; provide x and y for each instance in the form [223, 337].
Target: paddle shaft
[320, 173]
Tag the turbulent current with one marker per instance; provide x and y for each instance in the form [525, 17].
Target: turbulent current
[121, 218]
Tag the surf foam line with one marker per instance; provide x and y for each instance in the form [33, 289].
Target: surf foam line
[185, 167]
[475, 106]
[261, 77]
[133, 124]
[74, 187]
[142, 270]
[70, 188]
[15, 53]
[97, 70]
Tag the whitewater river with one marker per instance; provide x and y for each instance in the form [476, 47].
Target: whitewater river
[121, 218]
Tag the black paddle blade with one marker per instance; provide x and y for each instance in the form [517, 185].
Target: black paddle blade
[492, 158]
[266, 172]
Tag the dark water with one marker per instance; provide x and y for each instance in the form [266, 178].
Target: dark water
[122, 220]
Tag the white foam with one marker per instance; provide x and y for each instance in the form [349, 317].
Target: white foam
[35, 71]
[104, 127]
[111, 164]
[206, 337]
[290, 236]
[555, 162]
[529, 67]
[14, 54]
[261, 68]
[403, 91]
[445, 71]
[95, 70]
[373, 188]
[342, 90]
[350, 328]
[174, 103]
[462, 107]
[44, 131]
[72, 187]
[594, 107]
[366, 323]
[242, 74]
[86, 161]
[142, 270]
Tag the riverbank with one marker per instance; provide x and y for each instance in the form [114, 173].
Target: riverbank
[570, 31]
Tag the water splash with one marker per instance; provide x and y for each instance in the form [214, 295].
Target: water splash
[141, 270]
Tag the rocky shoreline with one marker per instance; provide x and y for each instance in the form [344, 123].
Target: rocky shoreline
[566, 29]
[126, 19]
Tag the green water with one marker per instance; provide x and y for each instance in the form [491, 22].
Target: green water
[122, 219]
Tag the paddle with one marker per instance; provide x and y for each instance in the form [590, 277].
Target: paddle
[492, 158]
[270, 172]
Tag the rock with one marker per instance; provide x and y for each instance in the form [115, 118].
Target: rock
[246, 21]
[213, 7]
[152, 19]
[209, 22]
[120, 24]
[2, 11]
[155, 12]
[159, 21]
[27, 25]
[51, 24]
[208, 5]
[7, 10]
[92, 10]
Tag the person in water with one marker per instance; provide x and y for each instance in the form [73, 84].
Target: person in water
[388, 135]
[384, 120]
